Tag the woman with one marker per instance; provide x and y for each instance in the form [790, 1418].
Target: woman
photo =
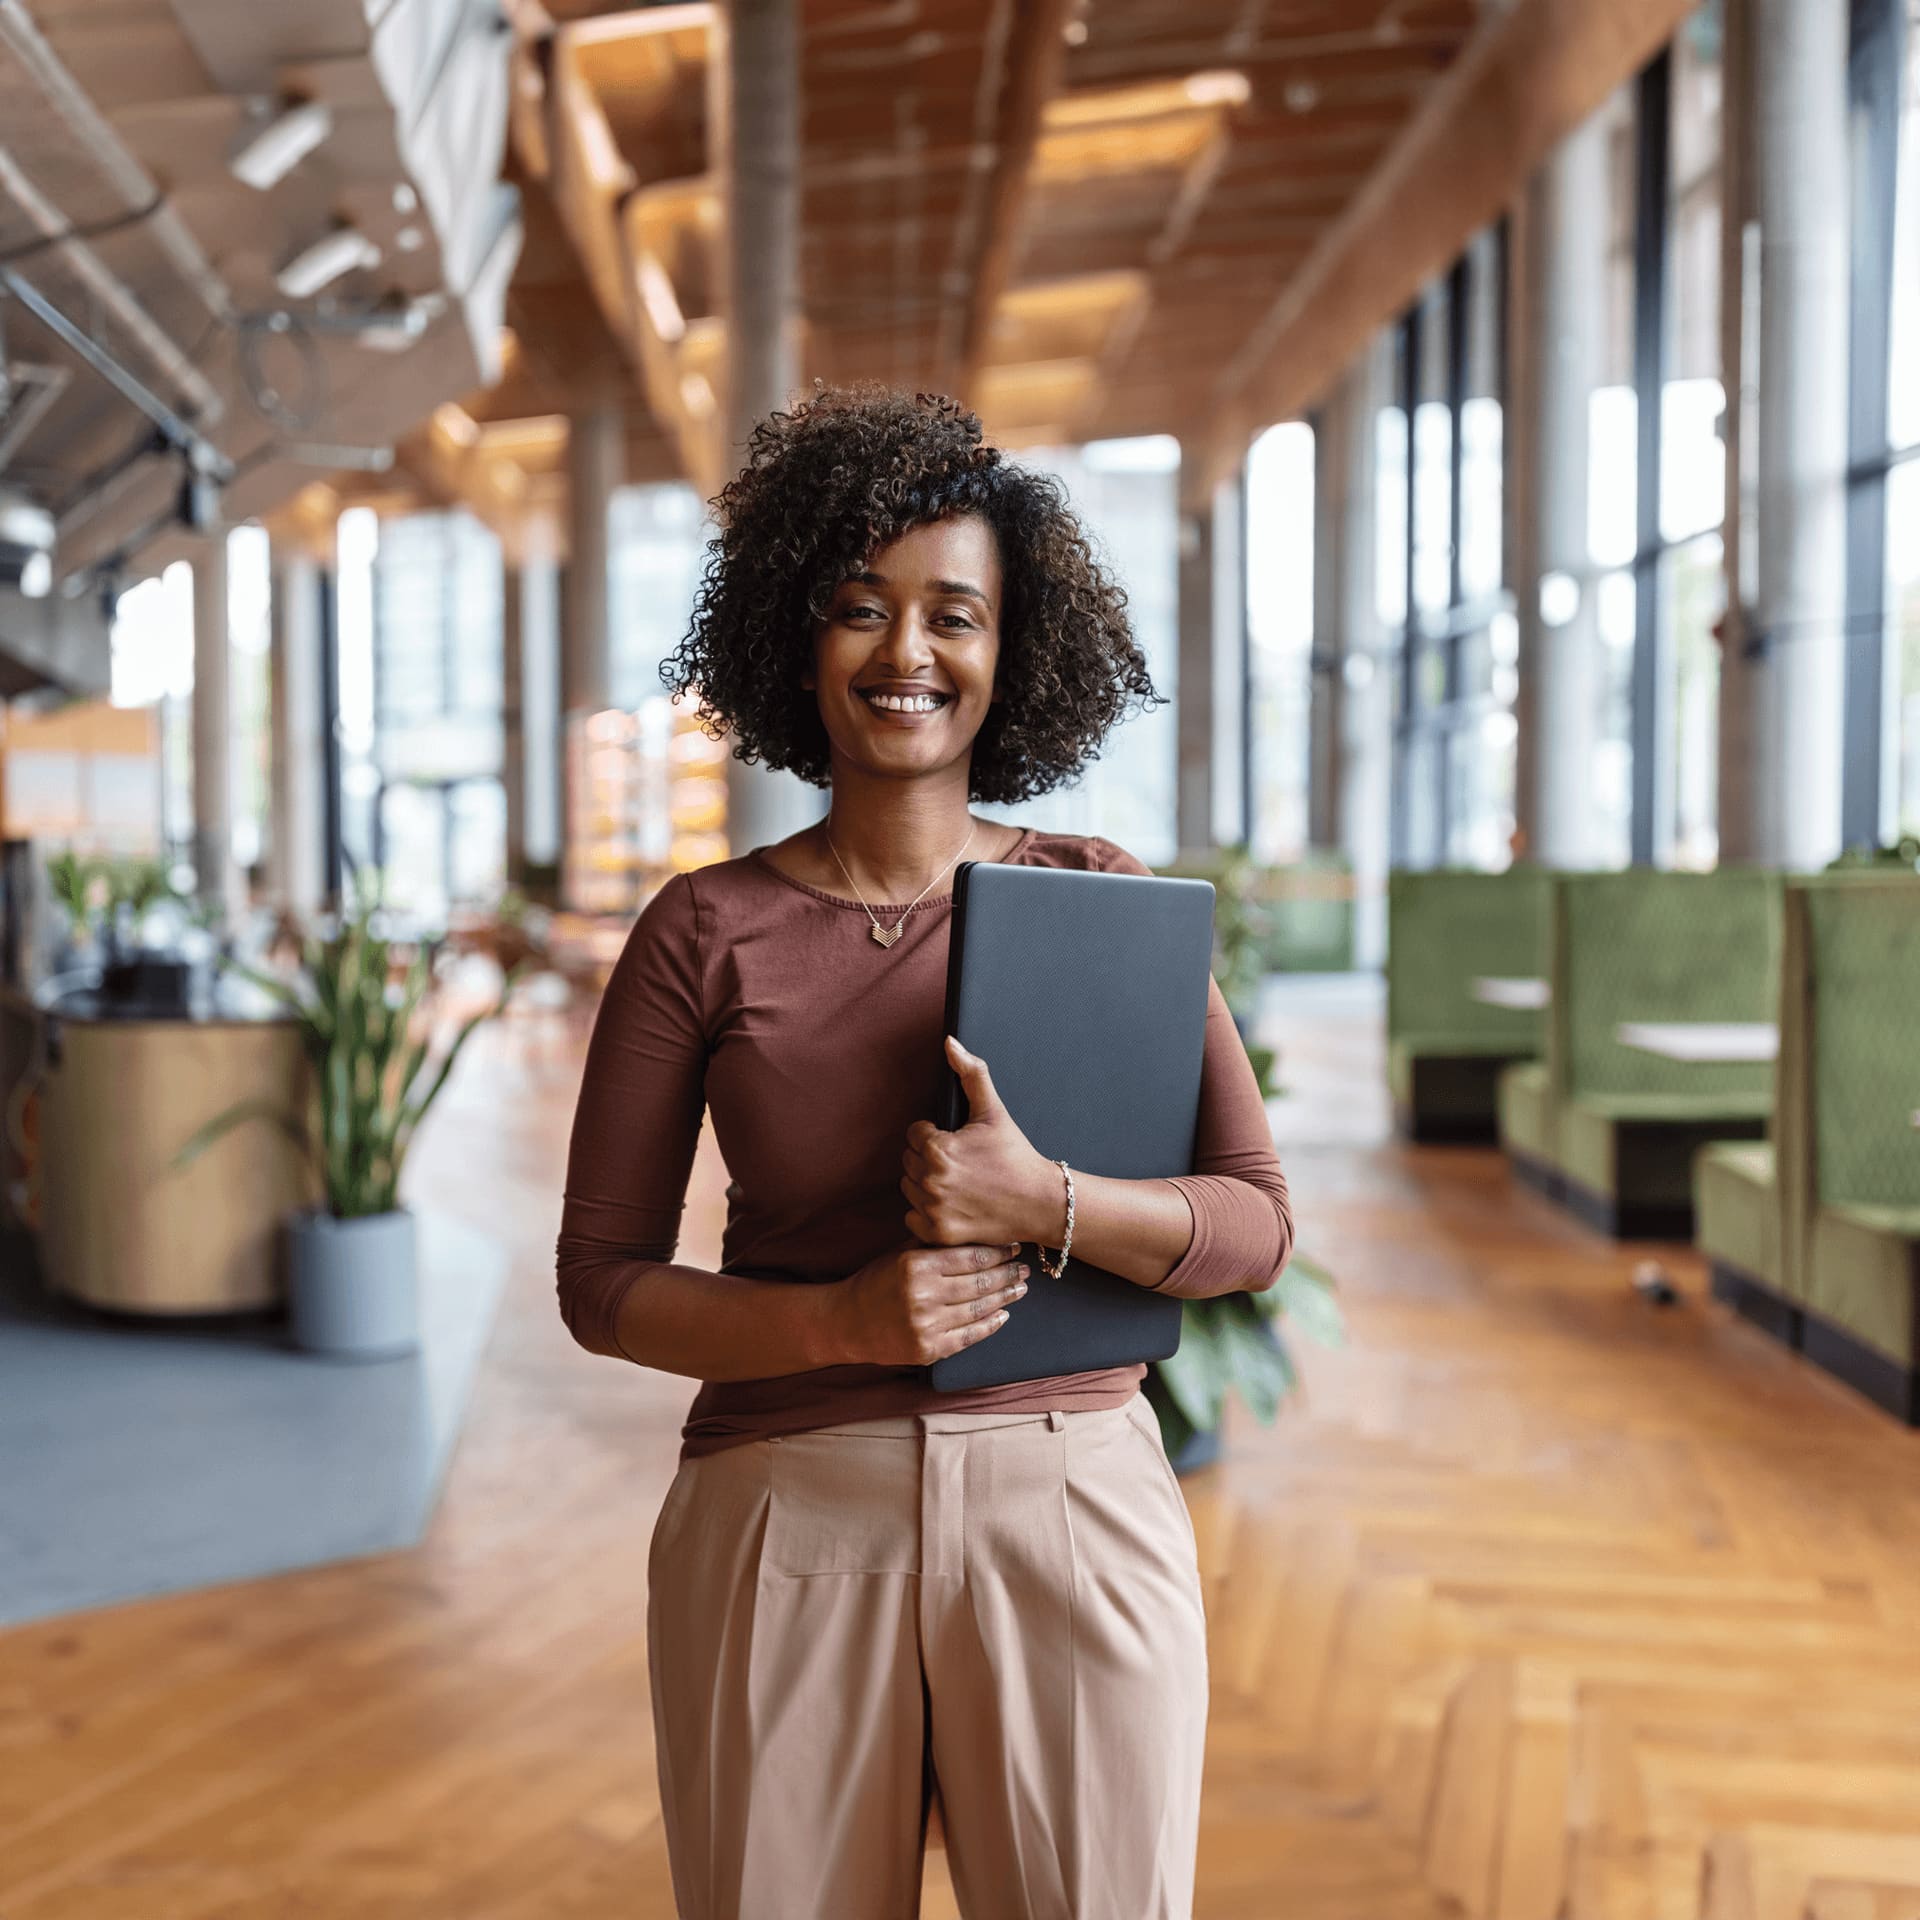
[863, 1591]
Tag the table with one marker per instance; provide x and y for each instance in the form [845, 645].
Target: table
[116, 1096]
[1517, 995]
[1703, 1042]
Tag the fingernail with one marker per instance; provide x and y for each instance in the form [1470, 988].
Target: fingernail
[1000, 1318]
[1025, 1271]
[1019, 1293]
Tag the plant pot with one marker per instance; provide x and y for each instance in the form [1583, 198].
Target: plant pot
[352, 1290]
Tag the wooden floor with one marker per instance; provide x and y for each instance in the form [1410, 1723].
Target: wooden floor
[1543, 1601]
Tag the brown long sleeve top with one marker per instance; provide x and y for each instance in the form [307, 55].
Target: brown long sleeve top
[747, 995]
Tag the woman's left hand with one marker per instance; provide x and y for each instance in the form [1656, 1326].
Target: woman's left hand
[985, 1181]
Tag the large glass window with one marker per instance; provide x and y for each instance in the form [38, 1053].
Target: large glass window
[1439, 533]
[1280, 587]
[1693, 463]
[1903, 640]
[1882, 793]
[656, 539]
[1127, 494]
[1903, 397]
[438, 615]
[1903, 433]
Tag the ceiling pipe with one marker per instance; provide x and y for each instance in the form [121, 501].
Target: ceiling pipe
[20, 34]
[30, 390]
[181, 434]
[113, 292]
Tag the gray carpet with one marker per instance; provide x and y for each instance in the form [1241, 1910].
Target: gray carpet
[141, 1457]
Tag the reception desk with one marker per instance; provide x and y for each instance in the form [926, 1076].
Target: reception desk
[117, 1097]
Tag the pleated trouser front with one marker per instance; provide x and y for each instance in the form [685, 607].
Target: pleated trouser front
[1002, 1609]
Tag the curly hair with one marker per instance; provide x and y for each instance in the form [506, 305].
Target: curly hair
[829, 483]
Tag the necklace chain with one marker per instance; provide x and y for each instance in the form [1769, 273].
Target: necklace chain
[886, 936]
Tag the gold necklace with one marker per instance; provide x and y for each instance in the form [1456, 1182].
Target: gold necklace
[888, 935]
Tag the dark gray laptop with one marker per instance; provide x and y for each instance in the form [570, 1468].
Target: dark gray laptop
[1086, 995]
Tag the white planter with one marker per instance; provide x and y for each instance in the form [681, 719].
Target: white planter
[352, 1288]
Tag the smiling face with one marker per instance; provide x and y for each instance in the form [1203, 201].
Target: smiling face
[904, 664]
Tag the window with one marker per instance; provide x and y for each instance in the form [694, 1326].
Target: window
[1440, 534]
[657, 545]
[1882, 792]
[1280, 587]
[1902, 633]
[438, 687]
[1127, 493]
[1690, 578]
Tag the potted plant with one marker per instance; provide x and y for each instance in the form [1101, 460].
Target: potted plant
[1234, 1343]
[351, 1278]
[1239, 942]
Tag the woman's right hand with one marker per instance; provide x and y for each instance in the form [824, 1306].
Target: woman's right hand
[917, 1304]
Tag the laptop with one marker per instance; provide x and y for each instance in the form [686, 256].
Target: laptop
[1086, 995]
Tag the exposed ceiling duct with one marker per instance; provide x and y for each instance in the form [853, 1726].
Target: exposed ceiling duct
[230, 236]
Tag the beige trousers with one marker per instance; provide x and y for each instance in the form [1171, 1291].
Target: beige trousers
[1003, 1609]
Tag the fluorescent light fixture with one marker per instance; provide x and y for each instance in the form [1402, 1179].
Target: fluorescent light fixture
[311, 453]
[282, 144]
[326, 260]
[36, 576]
[24, 522]
[1219, 88]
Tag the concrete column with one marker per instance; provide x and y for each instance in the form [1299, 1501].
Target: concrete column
[596, 464]
[758, 129]
[1353, 711]
[1799, 54]
[1193, 792]
[513, 737]
[1327, 683]
[297, 833]
[1560, 295]
[218, 877]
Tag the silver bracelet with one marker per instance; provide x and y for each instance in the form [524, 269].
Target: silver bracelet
[1045, 1266]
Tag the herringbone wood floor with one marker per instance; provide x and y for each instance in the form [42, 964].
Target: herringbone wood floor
[1542, 1601]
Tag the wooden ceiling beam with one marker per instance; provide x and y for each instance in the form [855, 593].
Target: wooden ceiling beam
[1527, 78]
[1032, 59]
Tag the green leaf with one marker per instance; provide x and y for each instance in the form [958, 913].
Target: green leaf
[1261, 1370]
[1306, 1297]
[238, 1115]
[1198, 1374]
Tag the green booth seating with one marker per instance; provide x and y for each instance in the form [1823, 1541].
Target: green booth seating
[1850, 1189]
[1445, 1049]
[1612, 1130]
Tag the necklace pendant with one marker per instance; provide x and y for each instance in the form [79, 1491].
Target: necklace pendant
[886, 935]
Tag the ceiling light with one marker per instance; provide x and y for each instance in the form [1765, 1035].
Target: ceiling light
[1301, 96]
[282, 144]
[24, 522]
[326, 260]
[1074, 33]
[26, 544]
[1220, 87]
